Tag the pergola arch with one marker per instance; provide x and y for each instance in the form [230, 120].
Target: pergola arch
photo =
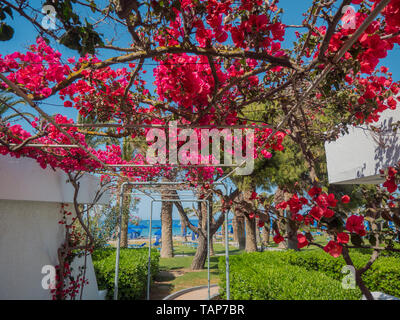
[148, 185]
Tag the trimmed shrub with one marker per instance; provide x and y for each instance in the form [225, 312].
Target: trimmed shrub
[393, 254]
[266, 276]
[133, 266]
[383, 276]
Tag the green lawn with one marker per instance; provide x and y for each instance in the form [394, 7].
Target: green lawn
[180, 249]
[188, 278]
[175, 273]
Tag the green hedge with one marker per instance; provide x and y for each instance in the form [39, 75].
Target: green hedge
[132, 271]
[383, 276]
[314, 270]
[265, 276]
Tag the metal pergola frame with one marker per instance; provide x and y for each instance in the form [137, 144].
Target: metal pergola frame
[150, 184]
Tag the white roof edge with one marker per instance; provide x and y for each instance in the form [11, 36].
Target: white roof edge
[23, 179]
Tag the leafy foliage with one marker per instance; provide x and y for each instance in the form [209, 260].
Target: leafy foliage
[384, 275]
[264, 276]
[6, 31]
[132, 271]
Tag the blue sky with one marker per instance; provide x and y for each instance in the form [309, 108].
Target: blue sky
[25, 35]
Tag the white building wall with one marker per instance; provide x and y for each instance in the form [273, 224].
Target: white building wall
[357, 157]
[30, 235]
[29, 238]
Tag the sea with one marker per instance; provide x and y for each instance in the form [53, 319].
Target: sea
[144, 225]
[143, 228]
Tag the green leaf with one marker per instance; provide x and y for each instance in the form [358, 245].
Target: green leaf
[6, 32]
[385, 215]
[396, 219]
[356, 239]
[93, 6]
[372, 240]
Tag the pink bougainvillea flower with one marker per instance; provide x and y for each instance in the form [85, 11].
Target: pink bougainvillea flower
[301, 241]
[308, 220]
[343, 237]
[282, 205]
[355, 224]
[390, 185]
[254, 196]
[345, 199]
[334, 249]
[331, 200]
[297, 217]
[316, 213]
[314, 191]
[278, 238]
[328, 213]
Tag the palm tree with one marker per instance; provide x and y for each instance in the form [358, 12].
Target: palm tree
[167, 247]
[94, 138]
[7, 104]
[129, 148]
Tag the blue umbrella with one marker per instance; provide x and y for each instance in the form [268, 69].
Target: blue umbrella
[158, 233]
[134, 234]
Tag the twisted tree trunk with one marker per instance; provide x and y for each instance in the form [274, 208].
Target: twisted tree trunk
[201, 252]
[291, 234]
[241, 235]
[183, 229]
[291, 228]
[266, 232]
[235, 229]
[212, 252]
[167, 248]
[124, 230]
[200, 257]
[251, 236]
[251, 240]
[258, 233]
[126, 202]
[223, 230]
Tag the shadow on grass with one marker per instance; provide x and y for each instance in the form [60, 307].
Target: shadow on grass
[164, 276]
[159, 291]
[191, 253]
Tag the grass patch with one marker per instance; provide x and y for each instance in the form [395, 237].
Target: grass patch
[194, 279]
[177, 274]
[181, 249]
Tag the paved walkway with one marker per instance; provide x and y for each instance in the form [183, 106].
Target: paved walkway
[199, 294]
